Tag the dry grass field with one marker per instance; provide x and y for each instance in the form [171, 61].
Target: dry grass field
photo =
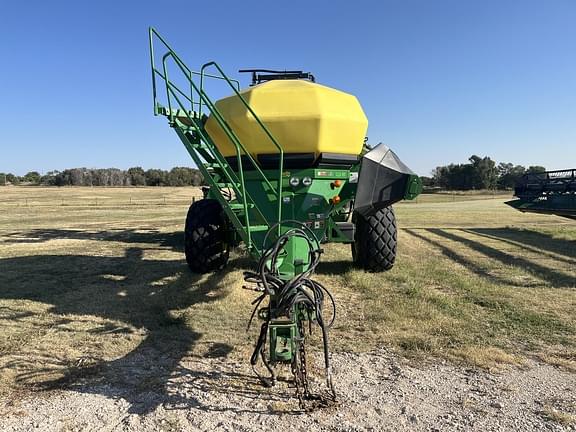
[93, 281]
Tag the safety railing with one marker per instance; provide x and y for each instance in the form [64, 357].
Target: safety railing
[194, 113]
[190, 73]
[262, 125]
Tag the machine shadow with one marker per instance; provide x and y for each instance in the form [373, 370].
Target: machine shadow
[141, 293]
[530, 239]
[331, 268]
[462, 259]
[555, 278]
[172, 240]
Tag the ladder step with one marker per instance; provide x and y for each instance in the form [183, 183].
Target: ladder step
[238, 206]
[212, 165]
[259, 228]
[227, 185]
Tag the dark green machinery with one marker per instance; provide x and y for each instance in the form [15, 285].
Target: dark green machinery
[279, 202]
[551, 192]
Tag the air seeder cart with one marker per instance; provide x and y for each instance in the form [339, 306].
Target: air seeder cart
[286, 170]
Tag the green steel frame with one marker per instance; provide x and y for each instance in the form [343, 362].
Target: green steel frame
[188, 122]
[261, 199]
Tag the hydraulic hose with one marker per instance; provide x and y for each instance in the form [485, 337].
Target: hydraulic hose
[290, 297]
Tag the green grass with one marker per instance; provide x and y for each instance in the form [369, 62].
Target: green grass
[93, 285]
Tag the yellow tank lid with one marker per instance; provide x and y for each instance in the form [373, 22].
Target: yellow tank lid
[303, 116]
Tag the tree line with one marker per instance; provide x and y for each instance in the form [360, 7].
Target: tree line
[136, 176]
[478, 173]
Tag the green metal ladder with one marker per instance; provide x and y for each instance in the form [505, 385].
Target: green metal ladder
[184, 113]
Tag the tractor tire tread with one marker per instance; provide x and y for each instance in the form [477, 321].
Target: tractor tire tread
[205, 244]
[375, 245]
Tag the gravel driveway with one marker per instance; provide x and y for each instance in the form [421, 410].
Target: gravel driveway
[377, 391]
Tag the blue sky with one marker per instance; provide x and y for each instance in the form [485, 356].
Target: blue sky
[439, 80]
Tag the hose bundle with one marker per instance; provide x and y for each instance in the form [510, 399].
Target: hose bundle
[289, 298]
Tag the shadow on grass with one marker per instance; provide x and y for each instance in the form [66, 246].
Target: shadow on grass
[555, 278]
[172, 239]
[142, 293]
[531, 239]
[551, 276]
[462, 259]
[331, 268]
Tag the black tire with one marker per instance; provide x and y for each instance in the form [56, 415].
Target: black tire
[375, 241]
[205, 242]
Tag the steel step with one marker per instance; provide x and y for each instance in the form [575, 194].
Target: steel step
[212, 165]
[259, 228]
[228, 185]
[238, 206]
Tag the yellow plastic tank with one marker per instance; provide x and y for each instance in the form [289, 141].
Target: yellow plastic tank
[303, 116]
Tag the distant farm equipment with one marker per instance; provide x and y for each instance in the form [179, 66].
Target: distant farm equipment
[551, 192]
